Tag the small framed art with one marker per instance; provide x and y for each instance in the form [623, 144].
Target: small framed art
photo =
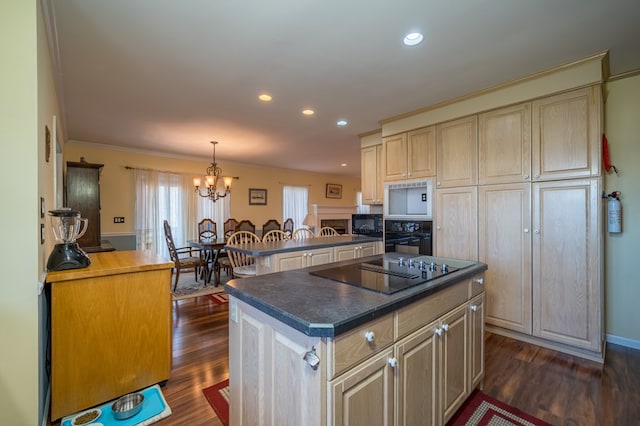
[257, 197]
[334, 190]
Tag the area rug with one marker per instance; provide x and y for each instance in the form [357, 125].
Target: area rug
[218, 397]
[188, 287]
[219, 298]
[481, 409]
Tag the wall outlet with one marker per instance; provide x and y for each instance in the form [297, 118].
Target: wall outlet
[118, 219]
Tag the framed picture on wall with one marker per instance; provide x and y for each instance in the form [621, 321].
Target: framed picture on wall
[257, 197]
[334, 190]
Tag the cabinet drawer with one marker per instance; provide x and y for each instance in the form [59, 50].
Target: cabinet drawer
[352, 347]
[424, 311]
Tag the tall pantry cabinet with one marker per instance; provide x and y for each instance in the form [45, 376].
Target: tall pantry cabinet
[540, 223]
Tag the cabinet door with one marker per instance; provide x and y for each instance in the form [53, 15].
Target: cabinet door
[417, 379]
[319, 256]
[504, 145]
[476, 342]
[567, 244]
[566, 135]
[379, 174]
[457, 223]
[457, 152]
[421, 153]
[344, 253]
[368, 249]
[364, 394]
[504, 215]
[395, 152]
[290, 261]
[454, 364]
[370, 178]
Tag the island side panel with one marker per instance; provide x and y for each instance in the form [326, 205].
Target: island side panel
[269, 381]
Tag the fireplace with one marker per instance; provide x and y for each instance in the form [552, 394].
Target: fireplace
[337, 217]
[340, 225]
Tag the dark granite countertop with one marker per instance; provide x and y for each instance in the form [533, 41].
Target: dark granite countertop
[322, 307]
[268, 248]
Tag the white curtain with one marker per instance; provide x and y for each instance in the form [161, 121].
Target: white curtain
[170, 196]
[295, 204]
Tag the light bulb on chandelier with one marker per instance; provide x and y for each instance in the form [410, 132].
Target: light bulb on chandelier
[211, 179]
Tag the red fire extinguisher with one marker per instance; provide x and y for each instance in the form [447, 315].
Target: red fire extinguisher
[614, 212]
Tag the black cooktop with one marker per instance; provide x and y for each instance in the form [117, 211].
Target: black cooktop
[386, 275]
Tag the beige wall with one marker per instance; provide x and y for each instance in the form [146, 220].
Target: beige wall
[622, 282]
[117, 194]
[27, 104]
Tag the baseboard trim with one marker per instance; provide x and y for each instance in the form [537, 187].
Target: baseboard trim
[622, 341]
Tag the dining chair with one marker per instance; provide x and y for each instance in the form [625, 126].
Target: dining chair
[242, 265]
[230, 227]
[270, 225]
[327, 231]
[287, 227]
[183, 257]
[302, 234]
[246, 225]
[207, 231]
[275, 235]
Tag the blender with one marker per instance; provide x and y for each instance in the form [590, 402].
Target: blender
[67, 226]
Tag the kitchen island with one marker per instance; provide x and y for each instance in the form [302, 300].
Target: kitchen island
[286, 255]
[309, 350]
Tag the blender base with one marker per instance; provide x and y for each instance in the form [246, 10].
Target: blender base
[67, 256]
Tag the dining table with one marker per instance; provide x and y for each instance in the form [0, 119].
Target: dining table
[211, 249]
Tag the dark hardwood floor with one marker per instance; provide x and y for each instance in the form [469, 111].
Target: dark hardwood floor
[555, 387]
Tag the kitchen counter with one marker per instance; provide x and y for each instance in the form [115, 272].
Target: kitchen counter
[322, 307]
[275, 247]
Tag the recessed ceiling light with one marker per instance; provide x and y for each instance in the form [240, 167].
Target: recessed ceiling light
[343, 165]
[308, 111]
[341, 122]
[265, 97]
[412, 39]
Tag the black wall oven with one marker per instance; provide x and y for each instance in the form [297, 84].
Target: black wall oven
[408, 236]
[367, 224]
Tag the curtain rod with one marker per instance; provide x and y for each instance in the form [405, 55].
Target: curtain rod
[294, 184]
[166, 171]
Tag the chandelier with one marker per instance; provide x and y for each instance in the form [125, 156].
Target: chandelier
[214, 172]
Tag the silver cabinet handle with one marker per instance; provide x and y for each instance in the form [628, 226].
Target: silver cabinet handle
[526, 177]
[393, 362]
[445, 327]
[370, 336]
[479, 280]
[537, 231]
[312, 358]
[438, 331]
[526, 230]
[474, 308]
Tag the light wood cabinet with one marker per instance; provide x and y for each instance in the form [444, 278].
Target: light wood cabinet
[504, 145]
[371, 174]
[456, 229]
[566, 135]
[410, 155]
[413, 366]
[110, 329]
[504, 216]
[301, 259]
[567, 244]
[354, 251]
[457, 152]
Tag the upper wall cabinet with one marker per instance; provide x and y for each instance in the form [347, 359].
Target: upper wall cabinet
[410, 155]
[566, 135]
[504, 145]
[371, 174]
[457, 152]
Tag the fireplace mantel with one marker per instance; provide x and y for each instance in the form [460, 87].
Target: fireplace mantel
[328, 212]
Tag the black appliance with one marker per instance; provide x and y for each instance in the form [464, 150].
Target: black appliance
[408, 236]
[367, 224]
[67, 227]
[388, 275]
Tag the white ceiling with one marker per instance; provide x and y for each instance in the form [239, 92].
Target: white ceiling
[170, 76]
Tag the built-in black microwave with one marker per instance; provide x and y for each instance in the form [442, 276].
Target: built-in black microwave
[367, 224]
[408, 236]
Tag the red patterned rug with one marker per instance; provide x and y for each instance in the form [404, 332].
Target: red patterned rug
[218, 397]
[219, 298]
[481, 409]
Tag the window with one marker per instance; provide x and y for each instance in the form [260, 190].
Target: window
[170, 196]
[295, 204]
